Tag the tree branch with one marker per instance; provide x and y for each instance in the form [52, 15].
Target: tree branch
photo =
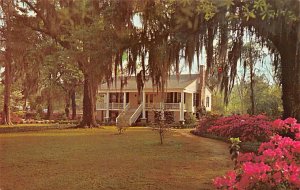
[38, 13]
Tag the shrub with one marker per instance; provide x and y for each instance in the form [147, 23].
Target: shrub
[168, 115]
[122, 123]
[15, 118]
[206, 122]
[190, 118]
[287, 128]
[246, 127]
[276, 166]
[234, 149]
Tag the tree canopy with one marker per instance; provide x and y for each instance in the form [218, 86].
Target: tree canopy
[94, 36]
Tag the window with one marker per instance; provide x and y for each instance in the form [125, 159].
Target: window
[195, 99]
[113, 97]
[169, 97]
[178, 100]
[207, 101]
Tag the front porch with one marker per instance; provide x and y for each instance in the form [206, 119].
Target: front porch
[112, 104]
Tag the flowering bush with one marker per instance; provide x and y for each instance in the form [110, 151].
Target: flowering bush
[246, 127]
[276, 166]
[206, 122]
[287, 128]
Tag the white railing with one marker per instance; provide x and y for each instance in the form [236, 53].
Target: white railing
[111, 106]
[116, 106]
[123, 111]
[136, 114]
[165, 106]
[152, 106]
[172, 106]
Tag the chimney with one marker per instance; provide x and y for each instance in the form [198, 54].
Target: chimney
[201, 87]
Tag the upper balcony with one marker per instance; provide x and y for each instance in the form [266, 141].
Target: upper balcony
[148, 106]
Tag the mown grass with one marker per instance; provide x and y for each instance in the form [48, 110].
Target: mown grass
[100, 159]
[30, 125]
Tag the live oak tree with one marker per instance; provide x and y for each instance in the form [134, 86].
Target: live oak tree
[16, 42]
[89, 31]
[274, 23]
[96, 34]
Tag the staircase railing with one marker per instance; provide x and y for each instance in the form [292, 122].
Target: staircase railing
[123, 111]
[136, 114]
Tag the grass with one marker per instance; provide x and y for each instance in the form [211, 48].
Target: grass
[100, 159]
[30, 125]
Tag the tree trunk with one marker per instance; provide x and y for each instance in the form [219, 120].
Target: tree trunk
[73, 103]
[49, 106]
[6, 120]
[290, 79]
[25, 100]
[67, 108]
[252, 89]
[89, 96]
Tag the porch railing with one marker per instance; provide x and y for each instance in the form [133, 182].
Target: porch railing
[166, 106]
[116, 106]
[148, 106]
[111, 106]
[136, 114]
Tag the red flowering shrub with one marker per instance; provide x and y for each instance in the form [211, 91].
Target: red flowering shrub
[276, 166]
[287, 128]
[206, 122]
[246, 127]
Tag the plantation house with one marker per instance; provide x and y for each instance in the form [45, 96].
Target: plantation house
[182, 96]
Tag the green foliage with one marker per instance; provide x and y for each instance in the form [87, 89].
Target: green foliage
[190, 118]
[234, 149]
[268, 99]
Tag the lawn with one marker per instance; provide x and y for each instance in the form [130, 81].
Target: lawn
[100, 159]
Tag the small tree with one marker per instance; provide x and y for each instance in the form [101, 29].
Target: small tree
[234, 149]
[161, 126]
[122, 123]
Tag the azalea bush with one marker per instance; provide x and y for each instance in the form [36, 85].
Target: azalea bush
[246, 127]
[205, 123]
[276, 166]
[287, 128]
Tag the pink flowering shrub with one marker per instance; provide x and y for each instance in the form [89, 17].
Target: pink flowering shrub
[206, 122]
[288, 127]
[275, 166]
[246, 127]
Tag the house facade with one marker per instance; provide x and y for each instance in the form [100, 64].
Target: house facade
[182, 96]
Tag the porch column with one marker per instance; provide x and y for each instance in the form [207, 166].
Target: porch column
[107, 107]
[181, 120]
[124, 100]
[144, 119]
[193, 110]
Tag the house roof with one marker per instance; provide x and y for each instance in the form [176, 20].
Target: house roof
[173, 83]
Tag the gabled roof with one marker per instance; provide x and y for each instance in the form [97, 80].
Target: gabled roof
[173, 83]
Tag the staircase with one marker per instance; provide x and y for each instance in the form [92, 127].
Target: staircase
[130, 115]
